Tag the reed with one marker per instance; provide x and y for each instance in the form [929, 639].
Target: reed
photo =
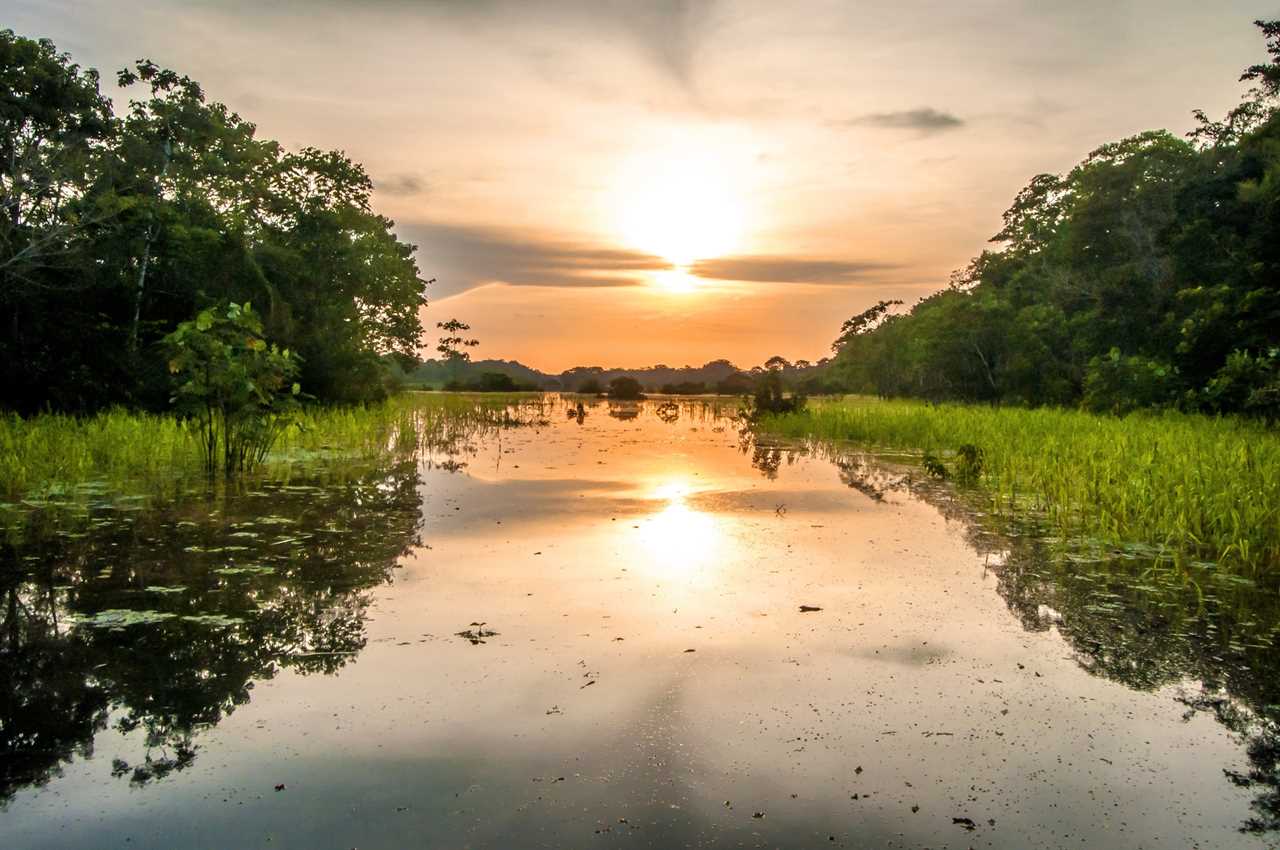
[54, 456]
[1199, 487]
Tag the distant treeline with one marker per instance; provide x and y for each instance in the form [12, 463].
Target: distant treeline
[116, 227]
[717, 376]
[1148, 276]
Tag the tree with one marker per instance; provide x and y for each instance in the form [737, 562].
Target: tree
[1144, 277]
[116, 229]
[625, 389]
[236, 387]
[453, 346]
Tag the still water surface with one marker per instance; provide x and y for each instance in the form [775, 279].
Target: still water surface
[596, 632]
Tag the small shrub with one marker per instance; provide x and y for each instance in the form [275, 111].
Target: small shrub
[970, 461]
[934, 467]
[238, 388]
[770, 396]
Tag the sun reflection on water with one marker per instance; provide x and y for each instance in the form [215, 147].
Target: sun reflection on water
[681, 542]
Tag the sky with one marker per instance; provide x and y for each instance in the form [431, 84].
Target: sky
[625, 183]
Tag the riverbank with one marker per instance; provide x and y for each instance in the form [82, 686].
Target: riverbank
[1202, 489]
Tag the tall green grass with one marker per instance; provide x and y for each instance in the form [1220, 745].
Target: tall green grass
[53, 455]
[1201, 487]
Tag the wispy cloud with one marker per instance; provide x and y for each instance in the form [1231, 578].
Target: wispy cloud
[925, 120]
[461, 257]
[774, 269]
[400, 185]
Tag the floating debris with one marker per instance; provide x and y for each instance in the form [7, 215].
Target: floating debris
[477, 633]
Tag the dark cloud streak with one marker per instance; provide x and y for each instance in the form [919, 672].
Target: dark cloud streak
[773, 269]
[925, 120]
[462, 257]
[400, 185]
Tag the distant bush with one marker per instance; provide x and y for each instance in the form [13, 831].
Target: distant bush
[685, 388]
[739, 383]
[625, 388]
[590, 386]
[490, 382]
[770, 396]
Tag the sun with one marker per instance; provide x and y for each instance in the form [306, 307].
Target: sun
[682, 201]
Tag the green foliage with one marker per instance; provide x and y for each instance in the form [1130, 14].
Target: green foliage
[116, 228]
[1204, 487]
[770, 396]
[1246, 382]
[970, 461]
[236, 387]
[55, 459]
[933, 466]
[1144, 277]
[1119, 384]
[590, 386]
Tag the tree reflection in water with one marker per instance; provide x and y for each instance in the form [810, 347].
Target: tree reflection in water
[161, 621]
[1126, 615]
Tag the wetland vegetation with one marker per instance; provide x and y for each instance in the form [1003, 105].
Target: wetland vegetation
[1002, 554]
[1196, 488]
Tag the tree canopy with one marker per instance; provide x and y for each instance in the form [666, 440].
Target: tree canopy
[117, 227]
[1149, 275]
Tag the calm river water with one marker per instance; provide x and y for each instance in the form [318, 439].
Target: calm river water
[597, 632]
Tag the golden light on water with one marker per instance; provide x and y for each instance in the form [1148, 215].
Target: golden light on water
[680, 541]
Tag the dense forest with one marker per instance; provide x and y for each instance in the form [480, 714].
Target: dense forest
[1148, 276]
[117, 227]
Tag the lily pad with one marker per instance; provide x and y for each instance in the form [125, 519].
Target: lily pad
[119, 618]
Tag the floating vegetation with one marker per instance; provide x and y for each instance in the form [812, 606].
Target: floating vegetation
[212, 619]
[242, 571]
[477, 633]
[120, 618]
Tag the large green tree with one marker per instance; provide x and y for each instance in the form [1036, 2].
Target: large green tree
[116, 229]
[1147, 275]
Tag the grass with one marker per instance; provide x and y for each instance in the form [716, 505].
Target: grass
[1200, 487]
[122, 451]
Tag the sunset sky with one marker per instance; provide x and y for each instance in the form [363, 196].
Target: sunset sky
[601, 182]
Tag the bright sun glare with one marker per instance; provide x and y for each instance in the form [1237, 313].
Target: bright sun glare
[682, 202]
[681, 540]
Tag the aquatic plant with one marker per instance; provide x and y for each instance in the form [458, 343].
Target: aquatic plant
[53, 458]
[1201, 487]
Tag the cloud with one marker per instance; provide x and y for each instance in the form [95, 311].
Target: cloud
[926, 120]
[772, 269]
[462, 257]
[400, 185]
[666, 32]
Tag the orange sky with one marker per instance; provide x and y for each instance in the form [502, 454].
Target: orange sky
[623, 183]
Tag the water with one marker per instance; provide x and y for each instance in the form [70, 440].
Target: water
[591, 632]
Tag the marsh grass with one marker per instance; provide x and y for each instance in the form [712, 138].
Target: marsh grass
[53, 458]
[1197, 487]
